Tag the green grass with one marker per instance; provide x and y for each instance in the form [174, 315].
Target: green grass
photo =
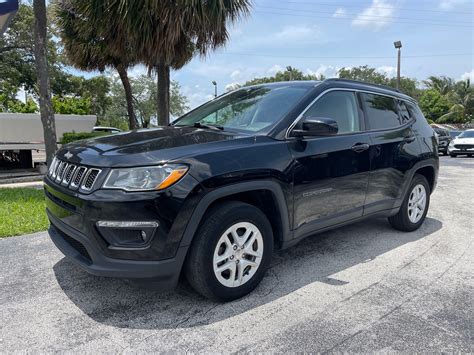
[22, 211]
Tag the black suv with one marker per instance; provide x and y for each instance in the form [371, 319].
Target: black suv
[443, 138]
[257, 169]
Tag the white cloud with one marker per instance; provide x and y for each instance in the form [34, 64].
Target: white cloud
[300, 32]
[387, 70]
[378, 15]
[236, 75]
[468, 75]
[232, 86]
[328, 71]
[340, 13]
[275, 69]
[450, 4]
[197, 96]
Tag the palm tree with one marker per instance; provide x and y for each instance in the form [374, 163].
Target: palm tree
[44, 90]
[463, 109]
[441, 84]
[87, 48]
[165, 34]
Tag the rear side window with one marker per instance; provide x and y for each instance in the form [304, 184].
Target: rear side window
[404, 113]
[381, 111]
[340, 106]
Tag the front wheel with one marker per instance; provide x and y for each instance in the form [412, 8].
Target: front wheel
[414, 207]
[231, 251]
[453, 155]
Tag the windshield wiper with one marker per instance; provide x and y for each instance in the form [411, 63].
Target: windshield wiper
[208, 126]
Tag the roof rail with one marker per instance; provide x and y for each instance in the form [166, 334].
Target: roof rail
[364, 83]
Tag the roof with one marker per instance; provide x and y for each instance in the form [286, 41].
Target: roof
[359, 85]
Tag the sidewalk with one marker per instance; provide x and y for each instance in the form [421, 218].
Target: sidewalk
[32, 184]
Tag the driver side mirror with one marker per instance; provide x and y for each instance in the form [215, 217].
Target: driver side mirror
[316, 126]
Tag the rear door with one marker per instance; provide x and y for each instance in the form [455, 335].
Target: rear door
[393, 150]
[331, 173]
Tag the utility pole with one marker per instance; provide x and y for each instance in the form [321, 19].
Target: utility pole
[398, 46]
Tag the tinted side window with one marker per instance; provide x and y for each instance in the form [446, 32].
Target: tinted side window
[381, 111]
[404, 113]
[416, 112]
[340, 106]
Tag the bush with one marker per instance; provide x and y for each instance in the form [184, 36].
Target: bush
[69, 137]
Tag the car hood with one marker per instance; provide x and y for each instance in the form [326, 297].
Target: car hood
[148, 146]
[463, 141]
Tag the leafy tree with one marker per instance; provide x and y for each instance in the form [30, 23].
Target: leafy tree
[433, 104]
[72, 105]
[163, 34]
[363, 73]
[17, 106]
[89, 49]
[441, 84]
[288, 75]
[144, 92]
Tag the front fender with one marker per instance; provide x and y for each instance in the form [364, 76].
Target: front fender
[233, 189]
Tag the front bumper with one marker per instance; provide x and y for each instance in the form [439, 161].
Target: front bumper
[452, 150]
[81, 251]
[75, 229]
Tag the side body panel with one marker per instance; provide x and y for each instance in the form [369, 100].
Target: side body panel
[330, 181]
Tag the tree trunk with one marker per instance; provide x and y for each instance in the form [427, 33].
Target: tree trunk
[46, 108]
[128, 96]
[163, 71]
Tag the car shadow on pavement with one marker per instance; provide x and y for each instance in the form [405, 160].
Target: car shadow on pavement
[118, 303]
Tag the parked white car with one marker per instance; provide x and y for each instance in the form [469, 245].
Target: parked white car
[462, 144]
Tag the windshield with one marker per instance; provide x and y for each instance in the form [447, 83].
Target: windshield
[454, 133]
[250, 109]
[466, 134]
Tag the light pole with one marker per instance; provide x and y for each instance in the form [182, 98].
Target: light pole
[215, 87]
[289, 69]
[398, 45]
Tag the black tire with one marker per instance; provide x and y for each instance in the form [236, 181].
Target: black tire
[401, 221]
[445, 153]
[453, 155]
[199, 262]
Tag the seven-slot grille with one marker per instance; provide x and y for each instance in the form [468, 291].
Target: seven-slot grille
[73, 176]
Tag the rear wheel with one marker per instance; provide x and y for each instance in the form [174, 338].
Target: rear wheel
[414, 207]
[231, 252]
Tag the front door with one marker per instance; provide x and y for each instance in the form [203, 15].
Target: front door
[331, 173]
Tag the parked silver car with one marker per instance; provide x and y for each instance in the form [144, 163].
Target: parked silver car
[462, 144]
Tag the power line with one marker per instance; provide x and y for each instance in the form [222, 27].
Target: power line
[345, 57]
[365, 6]
[364, 16]
[339, 18]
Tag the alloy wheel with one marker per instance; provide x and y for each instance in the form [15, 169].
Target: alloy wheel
[238, 254]
[417, 203]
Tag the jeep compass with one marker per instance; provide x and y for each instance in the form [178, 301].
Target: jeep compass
[213, 194]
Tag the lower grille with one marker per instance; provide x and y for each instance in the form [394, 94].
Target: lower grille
[78, 246]
[464, 146]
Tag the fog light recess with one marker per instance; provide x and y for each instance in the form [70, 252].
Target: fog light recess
[127, 234]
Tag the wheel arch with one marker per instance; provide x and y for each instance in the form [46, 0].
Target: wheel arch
[265, 195]
[427, 168]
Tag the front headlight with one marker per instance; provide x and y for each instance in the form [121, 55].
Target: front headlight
[451, 144]
[145, 178]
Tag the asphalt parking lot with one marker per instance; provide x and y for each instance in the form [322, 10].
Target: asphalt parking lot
[360, 288]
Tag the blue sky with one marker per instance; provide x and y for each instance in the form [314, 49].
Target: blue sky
[321, 36]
